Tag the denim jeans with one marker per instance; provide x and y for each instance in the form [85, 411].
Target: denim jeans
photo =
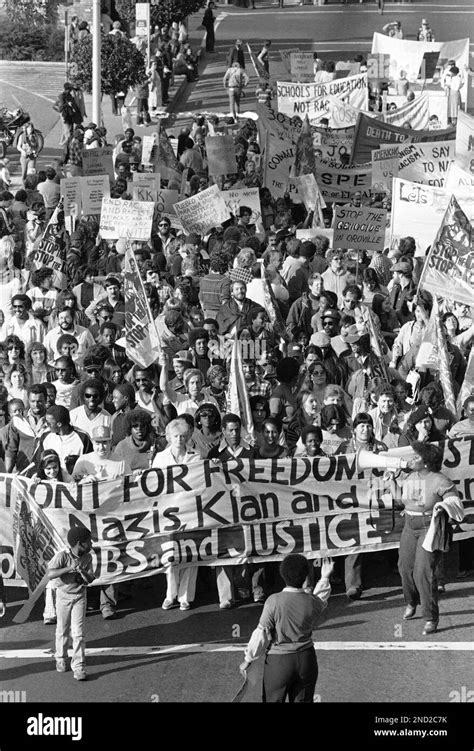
[71, 616]
[417, 567]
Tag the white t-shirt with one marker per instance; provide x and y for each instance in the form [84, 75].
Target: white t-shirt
[80, 420]
[101, 469]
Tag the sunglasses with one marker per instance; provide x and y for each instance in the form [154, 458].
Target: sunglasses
[18, 307]
[92, 396]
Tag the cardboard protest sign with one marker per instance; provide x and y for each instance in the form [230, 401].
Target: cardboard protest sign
[51, 251]
[408, 55]
[359, 228]
[221, 155]
[332, 146]
[71, 193]
[218, 521]
[426, 163]
[276, 124]
[384, 168]
[448, 268]
[149, 152]
[286, 58]
[422, 207]
[237, 197]
[438, 110]
[203, 211]
[98, 161]
[141, 337]
[465, 141]
[145, 186]
[130, 219]
[278, 160]
[166, 200]
[338, 184]
[310, 98]
[94, 189]
[372, 134]
[145, 178]
[301, 66]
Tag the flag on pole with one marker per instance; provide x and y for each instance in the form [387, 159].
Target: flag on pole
[304, 157]
[141, 337]
[445, 376]
[35, 543]
[258, 67]
[168, 164]
[273, 311]
[448, 267]
[51, 250]
[375, 342]
[237, 395]
[427, 357]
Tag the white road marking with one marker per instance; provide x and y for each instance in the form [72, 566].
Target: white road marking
[323, 646]
[28, 91]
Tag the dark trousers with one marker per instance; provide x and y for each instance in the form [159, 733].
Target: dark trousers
[417, 567]
[290, 675]
[142, 111]
[210, 40]
[165, 87]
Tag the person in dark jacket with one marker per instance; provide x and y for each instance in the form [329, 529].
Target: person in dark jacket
[208, 23]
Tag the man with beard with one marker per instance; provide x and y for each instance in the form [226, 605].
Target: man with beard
[67, 325]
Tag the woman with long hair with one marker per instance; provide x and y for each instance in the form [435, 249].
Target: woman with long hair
[389, 323]
[420, 427]
[371, 286]
[36, 362]
[139, 446]
[335, 428]
[17, 383]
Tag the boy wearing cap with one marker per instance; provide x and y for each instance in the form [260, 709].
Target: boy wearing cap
[73, 569]
[102, 463]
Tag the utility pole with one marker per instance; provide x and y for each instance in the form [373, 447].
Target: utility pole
[96, 67]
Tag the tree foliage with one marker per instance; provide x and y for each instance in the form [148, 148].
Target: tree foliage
[163, 13]
[30, 13]
[122, 65]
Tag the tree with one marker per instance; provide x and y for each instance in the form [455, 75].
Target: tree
[122, 65]
[32, 12]
[164, 13]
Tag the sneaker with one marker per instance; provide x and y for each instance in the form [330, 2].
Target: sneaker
[108, 614]
[409, 613]
[225, 605]
[61, 665]
[184, 605]
[80, 675]
[49, 621]
[168, 604]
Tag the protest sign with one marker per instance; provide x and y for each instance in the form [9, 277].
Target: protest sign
[333, 146]
[236, 197]
[71, 193]
[372, 134]
[286, 58]
[276, 124]
[166, 201]
[408, 55]
[311, 98]
[220, 152]
[338, 184]
[278, 160]
[426, 163]
[148, 145]
[384, 168]
[148, 178]
[447, 271]
[465, 141]
[94, 189]
[301, 66]
[458, 179]
[98, 161]
[166, 161]
[130, 219]
[359, 228]
[203, 211]
[438, 110]
[51, 251]
[241, 511]
[145, 186]
[141, 337]
[423, 207]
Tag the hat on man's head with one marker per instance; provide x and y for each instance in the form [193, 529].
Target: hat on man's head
[78, 534]
[184, 356]
[330, 313]
[91, 363]
[320, 339]
[102, 433]
[172, 317]
[294, 349]
[403, 267]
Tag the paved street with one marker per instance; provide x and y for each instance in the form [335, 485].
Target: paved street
[366, 652]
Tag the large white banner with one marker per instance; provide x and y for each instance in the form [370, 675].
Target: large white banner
[408, 55]
[426, 163]
[418, 210]
[465, 141]
[312, 98]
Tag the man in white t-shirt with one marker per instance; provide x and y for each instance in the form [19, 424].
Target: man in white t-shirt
[90, 415]
[103, 463]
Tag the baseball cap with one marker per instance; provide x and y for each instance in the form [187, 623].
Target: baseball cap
[353, 334]
[102, 433]
[334, 314]
[183, 356]
[92, 363]
[403, 266]
[320, 339]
